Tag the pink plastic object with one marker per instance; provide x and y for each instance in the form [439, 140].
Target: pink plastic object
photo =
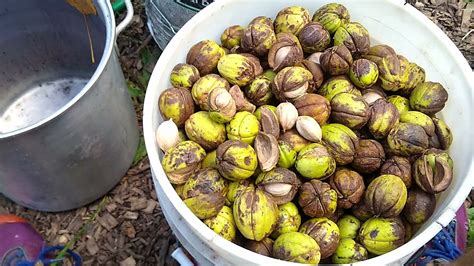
[17, 236]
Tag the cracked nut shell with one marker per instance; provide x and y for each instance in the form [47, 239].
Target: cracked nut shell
[317, 199]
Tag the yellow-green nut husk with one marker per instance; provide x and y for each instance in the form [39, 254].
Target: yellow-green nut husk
[289, 220]
[341, 142]
[204, 55]
[291, 19]
[419, 207]
[291, 83]
[355, 37]
[364, 73]
[235, 188]
[382, 235]
[325, 232]
[270, 74]
[349, 251]
[204, 193]
[231, 36]
[179, 190]
[258, 112]
[392, 74]
[184, 75]
[336, 85]
[419, 118]
[210, 160]
[236, 160]
[264, 247]
[255, 214]
[238, 69]
[295, 141]
[244, 127]
[181, 161]
[205, 181]
[401, 103]
[182, 135]
[259, 92]
[433, 171]
[287, 154]
[443, 137]
[332, 16]
[204, 86]
[296, 247]
[205, 131]
[428, 97]
[386, 196]
[222, 106]
[407, 139]
[383, 117]
[350, 110]
[223, 223]
[176, 104]
[315, 161]
[259, 36]
[416, 75]
[348, 226]
[314, 38]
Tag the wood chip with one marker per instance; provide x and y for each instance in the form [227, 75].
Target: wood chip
[128, 229]
[111, 207]
[75, 224]
[130, 215]
[107, 221]
[92, 246]
[137, 203]
[130, 261]
[138, 191]
[150, 206]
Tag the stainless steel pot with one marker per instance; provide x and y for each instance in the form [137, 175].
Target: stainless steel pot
[68, 130]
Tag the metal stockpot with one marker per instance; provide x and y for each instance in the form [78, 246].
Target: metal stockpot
[68, 130]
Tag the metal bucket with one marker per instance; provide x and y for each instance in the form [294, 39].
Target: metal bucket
[68, 130]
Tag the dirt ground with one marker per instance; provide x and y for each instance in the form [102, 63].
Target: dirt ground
[127, 226]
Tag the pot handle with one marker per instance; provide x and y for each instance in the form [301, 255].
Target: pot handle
[128, 18]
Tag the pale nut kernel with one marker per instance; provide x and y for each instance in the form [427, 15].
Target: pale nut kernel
[167, 135]
[278, 189]
[308, 128]
[287, 115]
[315, 57]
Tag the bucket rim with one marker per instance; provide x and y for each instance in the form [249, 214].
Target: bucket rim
[208, 234]
[105, 8]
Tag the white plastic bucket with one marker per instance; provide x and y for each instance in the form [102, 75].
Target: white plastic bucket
[401, 26]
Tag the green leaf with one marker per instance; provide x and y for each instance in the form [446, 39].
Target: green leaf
[136, 93]
[144, 78]
[141, 151]
[148, 56]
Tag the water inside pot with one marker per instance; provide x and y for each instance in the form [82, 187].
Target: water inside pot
[45, 58]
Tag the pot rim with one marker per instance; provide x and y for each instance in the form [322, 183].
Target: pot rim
[109, 20]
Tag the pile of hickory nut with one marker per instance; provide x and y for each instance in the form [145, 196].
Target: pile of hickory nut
[296, 139]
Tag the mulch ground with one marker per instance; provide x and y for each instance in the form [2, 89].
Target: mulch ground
[127, 226]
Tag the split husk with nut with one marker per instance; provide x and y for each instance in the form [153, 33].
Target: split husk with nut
[282, 184]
